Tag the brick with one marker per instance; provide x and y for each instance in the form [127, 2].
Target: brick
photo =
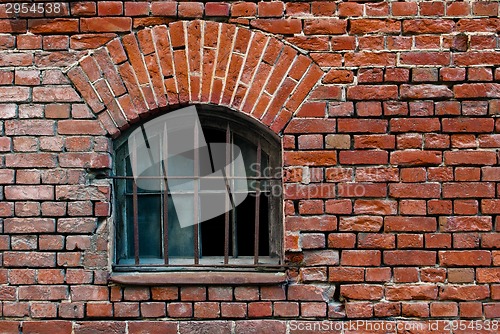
[433, 275]
[487, 275]
[468, 189]
[428, 26]
[87, 292]
[306, 292]
[286, 309]
[297, 8]
[145, 327]
[29, 192]
[378, 274]
[136, 9]
[377, 207]
[362, 125]
[369, 92]
[324, 26]
[206, 310]
[233, 310]
[136, 294]
[369, 26]
[359, 309]
[410, 257]
[51, 26]
[180, 310]
[470, 309]
[405, 274]
[362, 291]
[55, 94]
[244, 9]
[464, 258]
[364, 59]
[111, 24]
[111, 327]
[29, 225]
[305, 125]
[310, 158]
[314, 223]
[90, 41]
[410, 224]
[20, 259]
[99, 310]
[404, 9]
[387, 309]
[83, 8]
[348, 9]
[271, 9]
[444, 309]
[190, 10]
[79, 127]
[425, 58]
[411, 292]
[492, 310]
[424, 190]
[47, 327]
[278, 26]
[466, 223]
[361, 258]
[464, 292]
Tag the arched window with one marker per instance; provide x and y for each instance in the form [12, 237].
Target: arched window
[200, 186]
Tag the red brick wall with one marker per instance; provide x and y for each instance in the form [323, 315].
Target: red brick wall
[388, 114]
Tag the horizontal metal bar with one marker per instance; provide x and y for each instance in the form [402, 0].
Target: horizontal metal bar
[206, 192]
[259, 265]
[195, 177]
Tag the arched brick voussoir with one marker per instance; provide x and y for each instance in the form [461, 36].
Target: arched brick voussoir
[193, 62]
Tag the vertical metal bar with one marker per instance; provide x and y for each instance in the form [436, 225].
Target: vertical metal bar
[195, 184]
[226, 223]
[135, 205]
[136, 224]
[257, 208]
[165, 195]
[233, 216]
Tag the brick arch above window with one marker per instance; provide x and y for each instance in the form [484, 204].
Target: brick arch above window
[183, 62]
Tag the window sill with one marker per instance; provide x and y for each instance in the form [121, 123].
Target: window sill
[198, 278]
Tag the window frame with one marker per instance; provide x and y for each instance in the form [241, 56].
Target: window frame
[214, 117]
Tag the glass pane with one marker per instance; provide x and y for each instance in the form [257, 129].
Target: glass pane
[149, 226]
[146, 163]
[180, 240]
[181, 165]
[245, 214]
[212, 232]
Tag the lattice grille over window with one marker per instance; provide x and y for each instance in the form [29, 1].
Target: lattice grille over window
[217, 204]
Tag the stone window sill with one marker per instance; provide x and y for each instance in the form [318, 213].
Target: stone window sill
[198, 278]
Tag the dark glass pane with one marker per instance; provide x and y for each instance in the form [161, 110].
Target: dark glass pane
[212, 237]
[212, 231]
[180, 240]
[245, 216]
[149, 226]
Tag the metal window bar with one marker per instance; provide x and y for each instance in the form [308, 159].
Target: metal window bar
[196, 227]
[135, 207]
[226, 215]
[257, 208]
[165, 195]
[232, 191]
